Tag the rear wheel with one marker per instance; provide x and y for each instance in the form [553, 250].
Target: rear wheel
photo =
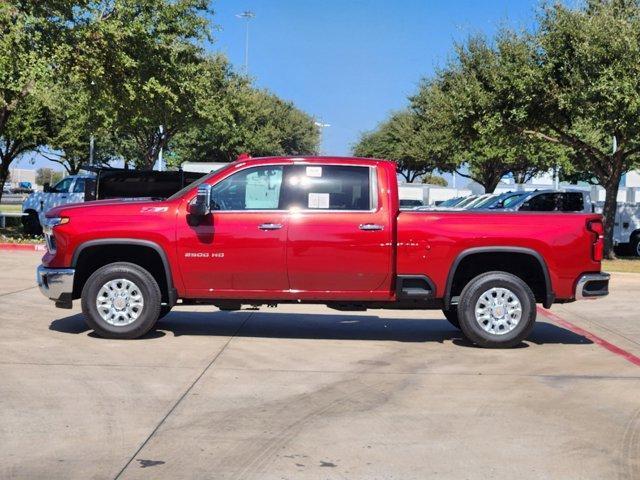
[496, 310]
[451, 314]
[121, 300]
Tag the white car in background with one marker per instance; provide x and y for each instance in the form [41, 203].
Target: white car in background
[68, 190]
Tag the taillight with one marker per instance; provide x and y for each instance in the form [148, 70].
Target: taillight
[596, 227]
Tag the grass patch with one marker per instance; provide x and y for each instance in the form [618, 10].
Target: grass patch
[10, 208]
[622, 264]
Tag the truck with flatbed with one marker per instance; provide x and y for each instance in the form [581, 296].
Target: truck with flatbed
[320, 230]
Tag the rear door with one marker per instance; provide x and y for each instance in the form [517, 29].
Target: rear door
[340, 236]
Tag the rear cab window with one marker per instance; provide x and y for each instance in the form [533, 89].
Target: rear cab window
[330, 187]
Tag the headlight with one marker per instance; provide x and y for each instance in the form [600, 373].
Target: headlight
[51, 222]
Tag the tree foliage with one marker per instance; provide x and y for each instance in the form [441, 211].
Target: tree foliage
[406, 141]
[576, 83]
[243, 119]
[458, 106]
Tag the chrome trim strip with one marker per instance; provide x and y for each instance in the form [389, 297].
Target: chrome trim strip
[55, 282]
[584, 280]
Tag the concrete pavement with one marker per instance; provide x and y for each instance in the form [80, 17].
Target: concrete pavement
[303, 392]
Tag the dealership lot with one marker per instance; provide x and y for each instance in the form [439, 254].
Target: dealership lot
[306, 392]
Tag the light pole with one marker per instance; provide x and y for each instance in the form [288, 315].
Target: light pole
[247, 15]
[321, 125]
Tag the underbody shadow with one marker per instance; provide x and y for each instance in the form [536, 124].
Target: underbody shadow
[338, 326]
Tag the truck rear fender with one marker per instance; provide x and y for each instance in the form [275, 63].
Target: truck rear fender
[525, 263]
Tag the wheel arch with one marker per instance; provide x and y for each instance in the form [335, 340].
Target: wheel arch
[166, 278]
[547, 298]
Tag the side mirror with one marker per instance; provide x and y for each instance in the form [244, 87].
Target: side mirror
[202, 204]
[46, 188]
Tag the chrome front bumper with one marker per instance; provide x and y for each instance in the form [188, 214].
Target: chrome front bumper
[592, 286]
[56, 284]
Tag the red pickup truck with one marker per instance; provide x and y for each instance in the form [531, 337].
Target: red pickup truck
[315, 230]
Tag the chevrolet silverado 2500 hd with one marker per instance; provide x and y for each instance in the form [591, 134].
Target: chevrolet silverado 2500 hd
[315, 230]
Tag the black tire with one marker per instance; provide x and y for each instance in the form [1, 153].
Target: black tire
[31, 223]
[467, 310]
[141, 279]
[635, 245]
[452, 316]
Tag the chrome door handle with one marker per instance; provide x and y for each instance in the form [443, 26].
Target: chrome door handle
[370, 226]
[270, 226]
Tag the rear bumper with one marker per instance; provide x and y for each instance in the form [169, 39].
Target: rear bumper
[592, 286]
[56, 284]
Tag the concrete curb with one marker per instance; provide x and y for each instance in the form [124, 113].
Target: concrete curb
[25, 247]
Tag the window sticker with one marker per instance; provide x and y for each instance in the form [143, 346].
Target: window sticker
[318, 200]
[314, 171]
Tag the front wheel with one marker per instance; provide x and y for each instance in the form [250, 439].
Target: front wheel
[496, 310]
[121, 300]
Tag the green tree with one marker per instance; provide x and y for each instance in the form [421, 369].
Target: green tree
[48, 175]
[72, 118]
[432, 179]
[142, 60]
[242, 119]
[576, 83]
[459, 110]
[27, 51]
[403, 139]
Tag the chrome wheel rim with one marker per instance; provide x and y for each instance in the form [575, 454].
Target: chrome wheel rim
[638, 249]
[119, 302]
[498, 311]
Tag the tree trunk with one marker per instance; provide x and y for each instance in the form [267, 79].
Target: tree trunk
[609, 214]
[489, 182]
[4, 174]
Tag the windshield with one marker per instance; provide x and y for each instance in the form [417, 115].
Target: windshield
[484, 202]
[184, 190]
[511, 200]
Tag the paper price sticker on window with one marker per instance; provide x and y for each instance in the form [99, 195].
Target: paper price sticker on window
[314, 171]
[318, 200]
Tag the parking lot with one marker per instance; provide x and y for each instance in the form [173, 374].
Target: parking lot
[304, 392]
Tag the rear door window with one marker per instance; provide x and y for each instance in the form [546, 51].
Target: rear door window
[545, 202]
[572, 202]
[328, 187]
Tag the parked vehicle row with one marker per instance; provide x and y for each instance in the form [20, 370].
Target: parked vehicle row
[535, 201]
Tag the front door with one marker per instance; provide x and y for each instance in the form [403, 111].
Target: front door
[239, 250]
[340, 235]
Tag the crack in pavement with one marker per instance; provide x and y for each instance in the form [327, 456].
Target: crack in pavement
[17, 291]
[182, 397]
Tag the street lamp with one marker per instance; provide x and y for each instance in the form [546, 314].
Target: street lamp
[321, 125]
[247, 15]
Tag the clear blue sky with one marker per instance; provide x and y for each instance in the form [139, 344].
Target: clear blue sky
[351, 62]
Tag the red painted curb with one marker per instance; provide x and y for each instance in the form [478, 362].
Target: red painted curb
[630, 357]
[25, 247]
